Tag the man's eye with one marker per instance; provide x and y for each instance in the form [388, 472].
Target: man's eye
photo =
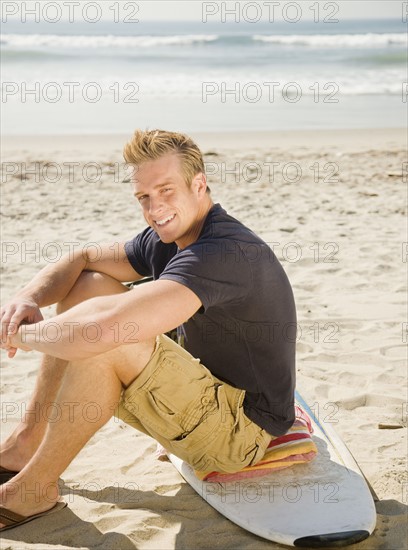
[142, 198]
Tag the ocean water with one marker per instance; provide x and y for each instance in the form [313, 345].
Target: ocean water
[110, 78]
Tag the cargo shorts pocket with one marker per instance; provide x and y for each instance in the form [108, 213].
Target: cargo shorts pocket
[194, 446]
[171, 400]
[239, 442]
[176, 425]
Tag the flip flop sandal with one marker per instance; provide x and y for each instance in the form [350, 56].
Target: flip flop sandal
[11, 519]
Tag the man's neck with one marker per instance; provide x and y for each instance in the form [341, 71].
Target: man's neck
[198, 225]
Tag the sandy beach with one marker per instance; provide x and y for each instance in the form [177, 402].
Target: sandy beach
[333, 206]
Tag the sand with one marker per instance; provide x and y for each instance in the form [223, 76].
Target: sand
[333, 205]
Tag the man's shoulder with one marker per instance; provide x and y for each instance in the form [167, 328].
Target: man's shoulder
[226, 235]
[222, 225]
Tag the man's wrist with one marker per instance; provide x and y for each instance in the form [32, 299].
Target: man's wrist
[27, 297]
[21, 339]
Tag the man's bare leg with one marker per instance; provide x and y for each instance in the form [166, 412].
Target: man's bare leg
[20, 446]
[35, 488]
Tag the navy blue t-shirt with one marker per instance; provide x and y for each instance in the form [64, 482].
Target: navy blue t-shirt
[245, 332]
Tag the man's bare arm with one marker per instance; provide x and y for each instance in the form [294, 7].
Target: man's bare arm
[101, 324]
[54, 282]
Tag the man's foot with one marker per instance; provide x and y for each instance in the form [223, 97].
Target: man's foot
[22, 500]
[10, 519]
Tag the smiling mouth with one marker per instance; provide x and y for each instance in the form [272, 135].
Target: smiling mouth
[165, 221]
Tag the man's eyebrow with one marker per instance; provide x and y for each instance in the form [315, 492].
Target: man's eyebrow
[155, 187]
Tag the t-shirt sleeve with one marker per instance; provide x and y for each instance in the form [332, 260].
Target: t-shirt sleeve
[215, 277]
[148, 255]
[139, 254]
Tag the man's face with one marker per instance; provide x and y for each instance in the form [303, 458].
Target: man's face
[169, 206]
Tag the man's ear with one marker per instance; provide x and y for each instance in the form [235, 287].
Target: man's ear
[200, 183]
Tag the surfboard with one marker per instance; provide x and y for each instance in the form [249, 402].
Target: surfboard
[326, 502]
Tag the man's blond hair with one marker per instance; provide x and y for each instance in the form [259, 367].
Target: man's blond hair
[154, 144]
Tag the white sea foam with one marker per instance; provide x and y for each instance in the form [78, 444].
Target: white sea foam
[29, 41]
[367, 40]
[25, 41]
[234, 87]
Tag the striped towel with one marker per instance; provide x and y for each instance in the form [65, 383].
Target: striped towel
[295, 447]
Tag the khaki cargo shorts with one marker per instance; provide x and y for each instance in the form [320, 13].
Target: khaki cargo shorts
[178, 402]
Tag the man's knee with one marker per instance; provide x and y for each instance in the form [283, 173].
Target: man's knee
[89, 285]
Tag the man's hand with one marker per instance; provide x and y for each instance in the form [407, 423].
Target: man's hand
[17, 312]
[18, 340]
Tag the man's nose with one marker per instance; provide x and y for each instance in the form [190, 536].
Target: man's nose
[155, 206]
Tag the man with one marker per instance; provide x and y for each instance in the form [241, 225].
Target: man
[216, 403]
